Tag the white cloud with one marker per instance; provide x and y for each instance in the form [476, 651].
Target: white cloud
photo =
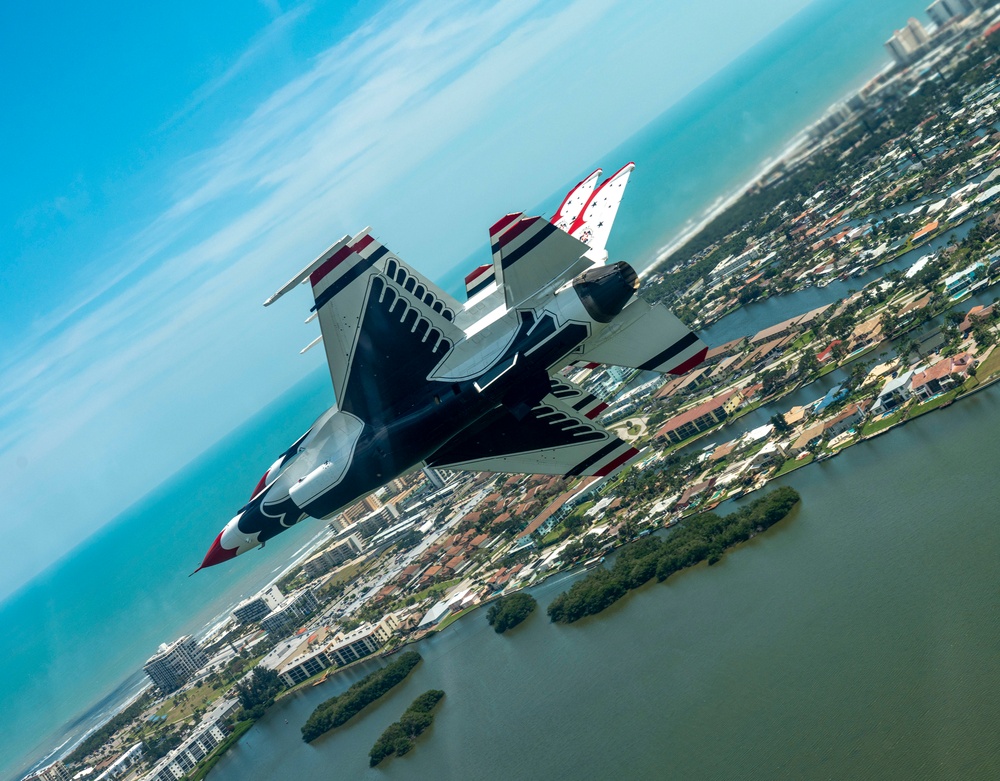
[428, 122]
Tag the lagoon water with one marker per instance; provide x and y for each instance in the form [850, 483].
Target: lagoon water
[859, 638]
[693, 679]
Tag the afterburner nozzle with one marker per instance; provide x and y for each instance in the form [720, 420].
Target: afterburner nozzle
[605, 290]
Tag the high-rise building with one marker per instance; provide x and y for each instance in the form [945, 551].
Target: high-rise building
[172, 666]
[289, 614]
[258, 606]
[434, 478]
[334, 556]
[907, 44]
[943, 11]
[359, 510]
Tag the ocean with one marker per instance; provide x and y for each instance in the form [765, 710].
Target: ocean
[76, 637]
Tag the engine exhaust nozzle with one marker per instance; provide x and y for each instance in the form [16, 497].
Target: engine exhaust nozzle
[604, 291]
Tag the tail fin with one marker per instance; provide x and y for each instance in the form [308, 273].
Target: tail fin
[574, 202]
[593, 224]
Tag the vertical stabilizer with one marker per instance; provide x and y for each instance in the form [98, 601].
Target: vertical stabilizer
[574, 202]
[593, 225]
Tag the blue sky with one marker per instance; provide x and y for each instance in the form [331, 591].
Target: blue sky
[168, 168]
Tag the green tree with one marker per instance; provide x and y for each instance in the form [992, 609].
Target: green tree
[509, 611]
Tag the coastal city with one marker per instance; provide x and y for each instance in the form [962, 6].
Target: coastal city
[881, 232]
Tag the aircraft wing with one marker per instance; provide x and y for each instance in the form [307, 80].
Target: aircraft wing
[558, 437]
[384, 326]
[647, 337]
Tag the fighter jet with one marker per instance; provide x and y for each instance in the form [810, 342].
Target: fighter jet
[423, 380]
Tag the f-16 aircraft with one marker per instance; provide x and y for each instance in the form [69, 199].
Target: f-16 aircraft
[422, 380]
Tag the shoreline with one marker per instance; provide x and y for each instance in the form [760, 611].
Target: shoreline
[798, 145]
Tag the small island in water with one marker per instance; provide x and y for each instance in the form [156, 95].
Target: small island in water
[703, 537]
[399, 736]
[338, 710]
[509, 611]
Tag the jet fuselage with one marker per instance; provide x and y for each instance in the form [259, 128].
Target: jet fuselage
[346, 456]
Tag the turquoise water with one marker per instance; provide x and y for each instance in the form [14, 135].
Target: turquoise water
[77, 636]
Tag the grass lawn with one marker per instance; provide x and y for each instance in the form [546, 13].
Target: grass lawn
[933, 404]
[874, 427]
[183, 704]
[436, 587]
[802, 340]
[344, 574]
[989, 366]
[689, 440]
[792, 464]
[453, 618]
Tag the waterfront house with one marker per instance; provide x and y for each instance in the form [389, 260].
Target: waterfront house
[827, 353]
[806, 440]
[767, 455]
[692, 493]
[956, 284]
[895, 392]
[795, 415]
[866, 334]
[846, 419]
[942, 376]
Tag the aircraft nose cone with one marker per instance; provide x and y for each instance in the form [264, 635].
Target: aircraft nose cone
[217, 554]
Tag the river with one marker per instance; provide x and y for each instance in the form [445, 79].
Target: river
[857, 639]
[749, 319]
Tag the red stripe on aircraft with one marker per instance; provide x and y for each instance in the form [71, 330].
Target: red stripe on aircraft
[478, 273]
[517, 230]
[337, 258]
[597, 410]
[217, 554]
[605, 471]
[691, 362]
[329, 265]
[503, 222]
[260, 485]
[361, 243]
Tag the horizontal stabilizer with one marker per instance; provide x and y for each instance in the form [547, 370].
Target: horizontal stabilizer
[593, 225]
[557, 437]
[531, 254]
[646, 337]
[479, 280]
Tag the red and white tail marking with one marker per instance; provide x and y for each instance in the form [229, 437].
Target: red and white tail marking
[574, 202]
[479, 280]
[593, 224]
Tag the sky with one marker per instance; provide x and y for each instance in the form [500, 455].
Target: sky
[168, 168]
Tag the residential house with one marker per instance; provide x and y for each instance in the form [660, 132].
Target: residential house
[846, 419]
[806, 440]
[895, 392]
[941, 376]
[982, 313]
